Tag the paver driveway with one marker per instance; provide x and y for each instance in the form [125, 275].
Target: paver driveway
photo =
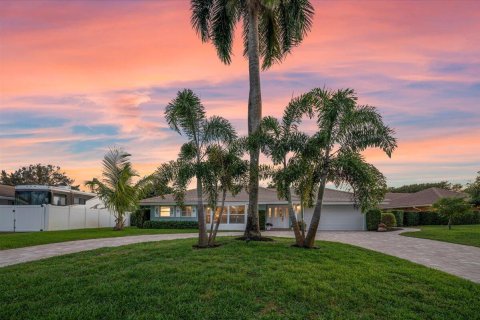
[460, 260]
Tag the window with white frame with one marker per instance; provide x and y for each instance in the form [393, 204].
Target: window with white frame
[237, 214]
[164, 211]
[188, 211]
[217, 213]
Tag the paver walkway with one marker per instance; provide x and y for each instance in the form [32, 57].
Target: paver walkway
[460, 260]
[456, 259]
[15, 256]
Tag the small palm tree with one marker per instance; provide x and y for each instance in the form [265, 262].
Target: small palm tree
[333, 153]
[270, 30]
[283, 142]
[226, 170]
[116, 189]
[186, 115]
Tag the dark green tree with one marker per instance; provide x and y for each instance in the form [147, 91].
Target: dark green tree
[473, 190]
[49, 175]
[412, 188]
[451, 208]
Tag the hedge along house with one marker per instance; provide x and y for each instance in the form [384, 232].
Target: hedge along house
[338, 211]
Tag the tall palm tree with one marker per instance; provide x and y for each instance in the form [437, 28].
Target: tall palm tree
[226, 170]
[116, 189]
[186, 115]
[283, 142]
[333, 153]
[271, 28]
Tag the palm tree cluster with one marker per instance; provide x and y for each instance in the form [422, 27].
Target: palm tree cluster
[302, 164]
[306, 163]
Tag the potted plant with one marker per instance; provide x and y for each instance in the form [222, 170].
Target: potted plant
[269, 226]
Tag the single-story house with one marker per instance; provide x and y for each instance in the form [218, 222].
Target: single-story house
[7, 195]
[339, 212]
[418, 201]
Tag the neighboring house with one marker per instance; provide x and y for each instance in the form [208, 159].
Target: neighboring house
[418, 201]
[7, 195]
[57, 196]
[42, 208]
[338, 211]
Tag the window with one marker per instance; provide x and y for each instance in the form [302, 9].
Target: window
[188, 211]
[208, 215]
[32, 197]
[78, 200]
[237, 214]
[164, 212]
[22, 197]
[59, 200]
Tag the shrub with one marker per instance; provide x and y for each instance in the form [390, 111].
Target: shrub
[410, 218]
[138, 217]
[373, 217]
[398, 217]
[170, 224]
[262, 218]
[389, 220]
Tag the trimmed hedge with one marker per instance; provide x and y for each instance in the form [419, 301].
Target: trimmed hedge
[373, 217]
[388, 219]
[410, 218]
[433, 218]
[398, 217]
[170, 225]
[138, 217]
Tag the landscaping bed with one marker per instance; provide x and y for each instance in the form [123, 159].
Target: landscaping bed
[258, 280]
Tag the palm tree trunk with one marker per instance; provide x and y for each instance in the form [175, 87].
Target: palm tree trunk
[252, 229]
[213, 235]
[118, 222]
[317, 212]
[299, 239]
[202, 226]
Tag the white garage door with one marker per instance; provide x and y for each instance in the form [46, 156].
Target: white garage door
[338, 217]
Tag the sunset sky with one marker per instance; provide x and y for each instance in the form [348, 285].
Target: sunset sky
[77, 77]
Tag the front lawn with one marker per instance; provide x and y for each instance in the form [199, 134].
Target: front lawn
[258, 280]
[467, 234]
[26, 239]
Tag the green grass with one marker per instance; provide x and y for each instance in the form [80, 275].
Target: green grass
[258, 280]
[26, 239]
[468, 234]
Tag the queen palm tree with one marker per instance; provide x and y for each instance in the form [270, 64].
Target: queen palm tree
[271, 28]
[344, 130]
[283, 142]
[116, 189]
[226, 170]
[186, 115]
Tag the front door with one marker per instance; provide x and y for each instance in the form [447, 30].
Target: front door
[277, 216]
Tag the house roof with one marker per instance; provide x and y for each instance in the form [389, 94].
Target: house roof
[423, 198]
[7, 191]
[265, 196]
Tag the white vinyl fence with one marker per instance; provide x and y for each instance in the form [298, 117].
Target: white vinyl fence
[48, 218]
